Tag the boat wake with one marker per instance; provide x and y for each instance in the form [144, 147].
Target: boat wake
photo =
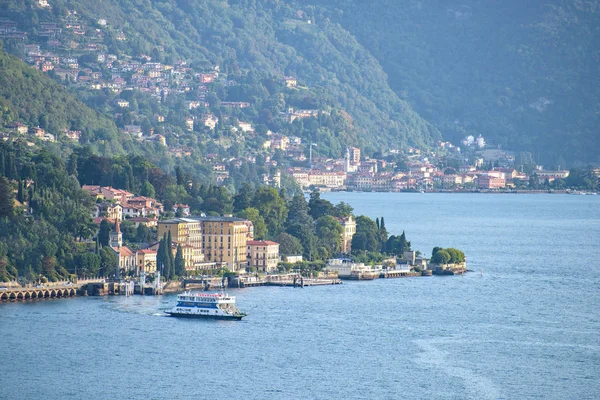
[479, 387]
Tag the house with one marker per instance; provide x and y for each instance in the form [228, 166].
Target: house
[189, 124]
[37, 132]
[292, 258]
[108, 210]
[235, 104]
[279, 142]
[127, 259]
[122, 103]
[149, 222]
[551, 175]
[185, 209]
[263, 255]
[118, 195]
[245, 126]
[489, 181]
[210, 121]
[135, 130]
[73, 135]
[147, 202]
[349, 229]
[290, 82]
[18, 127]
[133, 211]
[146, 261]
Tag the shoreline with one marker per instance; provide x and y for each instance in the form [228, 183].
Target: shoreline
[577, 193]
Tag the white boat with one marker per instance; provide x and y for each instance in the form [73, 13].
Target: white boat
[209, 305]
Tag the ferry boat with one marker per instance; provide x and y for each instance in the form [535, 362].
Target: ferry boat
[209, 305]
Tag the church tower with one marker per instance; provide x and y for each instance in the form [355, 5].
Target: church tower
[116, 237]
[347, 161]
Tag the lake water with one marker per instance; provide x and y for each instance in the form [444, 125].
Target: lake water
[524, 325]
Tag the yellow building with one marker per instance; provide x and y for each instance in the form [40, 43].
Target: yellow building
[188, 233]
[209, 240]
[146, 261]
[263, 255]
[224, 241]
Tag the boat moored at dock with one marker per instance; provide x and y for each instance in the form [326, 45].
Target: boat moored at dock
[206, 305]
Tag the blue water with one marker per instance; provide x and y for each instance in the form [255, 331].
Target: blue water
[524, 325]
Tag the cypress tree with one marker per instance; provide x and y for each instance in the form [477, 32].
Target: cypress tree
[20, 191]
[72, 165]
[11, 172]
[171, 259]
[179, 262]
[2, 168]
[6, 198]
[161, 256]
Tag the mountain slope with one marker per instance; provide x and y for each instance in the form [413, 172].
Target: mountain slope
[31, 97]
[264, 38]
[526, 75]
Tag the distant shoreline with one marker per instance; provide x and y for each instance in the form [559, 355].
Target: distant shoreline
[575, 193]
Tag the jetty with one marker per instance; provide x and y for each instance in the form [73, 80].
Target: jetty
[290, 280]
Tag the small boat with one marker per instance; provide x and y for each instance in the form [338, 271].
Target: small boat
[209, 305]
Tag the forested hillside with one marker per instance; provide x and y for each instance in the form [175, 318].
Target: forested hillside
[260, 39]
[31, 97]
[526, 75]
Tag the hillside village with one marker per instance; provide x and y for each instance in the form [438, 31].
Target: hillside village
[207, 243]
[72, 50]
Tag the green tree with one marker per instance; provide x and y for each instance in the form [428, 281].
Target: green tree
[456, 256]
[170, 270]
[272, 208]
[382, 235]
[179, 262]
[441, 257]
[143, 234]
[148, 190]
[342, 210]
[260, 228]
[318, 207]
[365, 238]
[104, 233]
[6, 198]
[108, 262]
[49, 268]
[329, 235]
[243, 199]
[72, 164]
[288, 244]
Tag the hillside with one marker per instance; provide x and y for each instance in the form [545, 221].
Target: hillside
[259, 40]
[525, 75]
[32, 98]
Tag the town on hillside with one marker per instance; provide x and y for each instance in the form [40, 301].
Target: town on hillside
[73, 49]
[207, 243]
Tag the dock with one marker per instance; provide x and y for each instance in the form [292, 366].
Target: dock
[282, 280]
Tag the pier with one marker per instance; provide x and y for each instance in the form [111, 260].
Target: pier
[283, 280]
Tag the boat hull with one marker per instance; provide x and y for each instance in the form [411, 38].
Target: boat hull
[236, 317]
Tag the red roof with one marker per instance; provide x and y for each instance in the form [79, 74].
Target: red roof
[261, 243]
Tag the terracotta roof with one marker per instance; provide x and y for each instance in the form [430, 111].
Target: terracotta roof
[261, 243]
[124, 251]
[147, 251]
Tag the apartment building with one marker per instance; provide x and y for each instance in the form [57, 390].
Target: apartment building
[224, 241]
[263, 255]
